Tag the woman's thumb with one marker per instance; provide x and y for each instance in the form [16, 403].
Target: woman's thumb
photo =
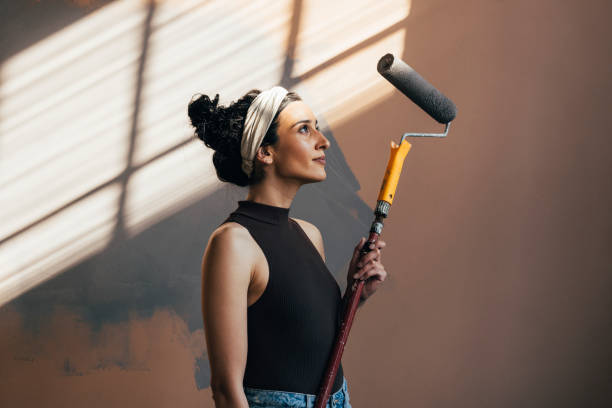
[361, 242]
[358, 247]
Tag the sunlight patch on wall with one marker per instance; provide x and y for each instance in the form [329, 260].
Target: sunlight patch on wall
[336, 56]
[88, 156]
[216, 47]
[53, 244]
[167, 185]
[337, 101]
[67, 105]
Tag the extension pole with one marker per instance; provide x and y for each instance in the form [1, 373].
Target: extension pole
[353, 292]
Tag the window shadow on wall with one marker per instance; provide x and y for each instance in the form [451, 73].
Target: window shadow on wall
[159, 269]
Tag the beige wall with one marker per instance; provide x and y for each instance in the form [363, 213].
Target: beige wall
[499, 237]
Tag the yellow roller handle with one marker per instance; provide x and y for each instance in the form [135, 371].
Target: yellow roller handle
[394, 169]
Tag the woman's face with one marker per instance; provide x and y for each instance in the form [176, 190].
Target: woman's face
[300, 144]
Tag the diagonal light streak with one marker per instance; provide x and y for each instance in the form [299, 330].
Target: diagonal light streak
[68, 104]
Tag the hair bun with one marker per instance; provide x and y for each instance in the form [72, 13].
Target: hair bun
[203, 111]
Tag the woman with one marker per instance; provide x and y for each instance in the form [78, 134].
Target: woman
[271, 307]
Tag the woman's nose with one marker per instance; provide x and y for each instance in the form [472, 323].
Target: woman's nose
[324, 142]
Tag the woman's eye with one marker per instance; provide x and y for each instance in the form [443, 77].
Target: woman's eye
[304, 127]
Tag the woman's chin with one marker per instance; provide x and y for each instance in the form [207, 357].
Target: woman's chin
[323, 175]
[315, 178]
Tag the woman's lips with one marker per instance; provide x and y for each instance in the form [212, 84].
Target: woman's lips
[322, 161]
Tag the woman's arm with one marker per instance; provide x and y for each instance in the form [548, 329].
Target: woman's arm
[368, 269]
[226, 273]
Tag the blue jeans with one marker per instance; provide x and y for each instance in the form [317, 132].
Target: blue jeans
[259, 398]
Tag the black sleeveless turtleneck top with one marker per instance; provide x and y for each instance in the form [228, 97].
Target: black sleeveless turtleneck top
[293, 325]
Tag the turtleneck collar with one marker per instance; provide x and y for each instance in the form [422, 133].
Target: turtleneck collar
[263, 212]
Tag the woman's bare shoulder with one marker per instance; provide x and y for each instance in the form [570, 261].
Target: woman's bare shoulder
[229, 256]
[231, 237]
[230, 225]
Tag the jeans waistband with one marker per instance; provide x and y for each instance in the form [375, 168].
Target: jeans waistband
[274, 398]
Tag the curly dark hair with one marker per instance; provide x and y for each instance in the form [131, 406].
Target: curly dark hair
[221, 127]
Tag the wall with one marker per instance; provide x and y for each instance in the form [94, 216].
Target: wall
[498, 239]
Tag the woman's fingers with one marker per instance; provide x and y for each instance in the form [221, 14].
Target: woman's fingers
[374, 273]
[364, 267]
[379, 244]
[358, 248]
[362, 241]
[373, 255]
[369, 257]
[371, 269]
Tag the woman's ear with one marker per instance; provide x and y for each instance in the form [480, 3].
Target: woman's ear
[264, 154]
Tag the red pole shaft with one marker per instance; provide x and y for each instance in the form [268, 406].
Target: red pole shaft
[354, 295]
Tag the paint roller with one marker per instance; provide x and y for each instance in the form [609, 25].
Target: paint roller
[443, 110]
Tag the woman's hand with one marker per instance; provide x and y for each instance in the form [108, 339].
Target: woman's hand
[369, 268]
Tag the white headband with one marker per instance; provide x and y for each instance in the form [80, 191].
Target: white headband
[257, 122]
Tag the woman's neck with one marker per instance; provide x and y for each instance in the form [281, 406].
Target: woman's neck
[271, 193]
